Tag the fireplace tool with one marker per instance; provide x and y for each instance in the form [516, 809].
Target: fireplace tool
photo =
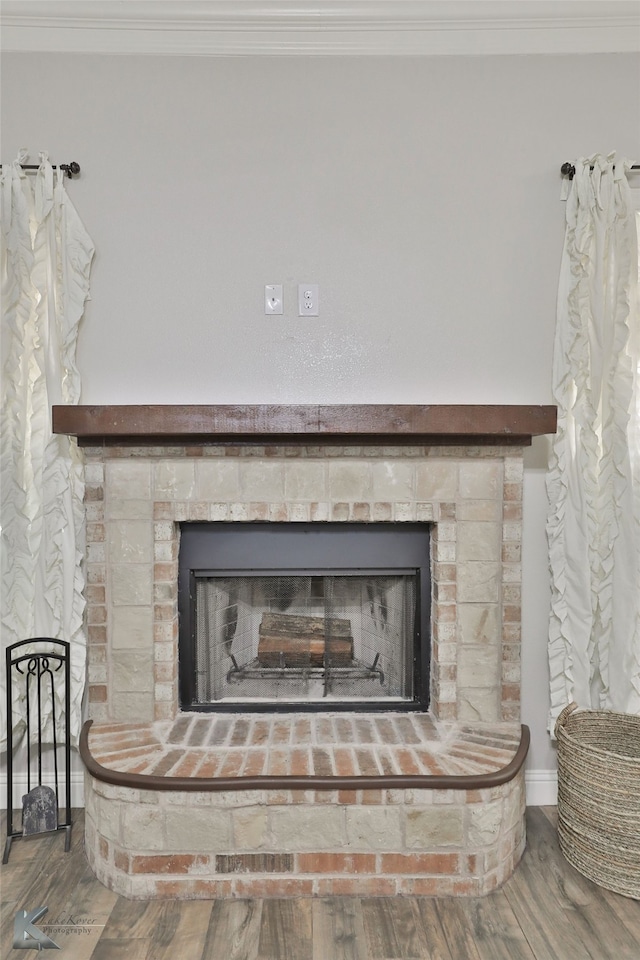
[38, 681]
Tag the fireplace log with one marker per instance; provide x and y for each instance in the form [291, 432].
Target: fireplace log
[290, 640]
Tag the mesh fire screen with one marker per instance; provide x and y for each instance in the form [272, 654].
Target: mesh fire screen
[304, 638]
[304, 616]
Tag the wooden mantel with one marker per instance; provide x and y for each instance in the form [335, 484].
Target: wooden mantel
[311, 423]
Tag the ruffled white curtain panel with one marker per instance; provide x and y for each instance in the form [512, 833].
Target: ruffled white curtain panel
[594, 477]
[46, 257]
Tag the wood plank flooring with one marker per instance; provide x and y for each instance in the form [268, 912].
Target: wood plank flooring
[546, 911]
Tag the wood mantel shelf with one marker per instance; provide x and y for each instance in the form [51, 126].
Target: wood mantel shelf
[312, 423]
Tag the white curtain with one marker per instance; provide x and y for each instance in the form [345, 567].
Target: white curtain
[594, 476]
[46, 257]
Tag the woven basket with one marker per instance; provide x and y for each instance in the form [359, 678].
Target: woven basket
[599, 796]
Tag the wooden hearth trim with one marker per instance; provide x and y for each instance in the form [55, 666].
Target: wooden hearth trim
[387, 782]
[340, 423]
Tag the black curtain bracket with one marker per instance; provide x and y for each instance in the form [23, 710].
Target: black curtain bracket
[71, 169]
[569, 170]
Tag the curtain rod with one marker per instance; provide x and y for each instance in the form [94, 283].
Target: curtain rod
[569, 170]
[71, 169]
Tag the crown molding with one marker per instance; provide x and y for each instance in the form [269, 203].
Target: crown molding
[324, 27]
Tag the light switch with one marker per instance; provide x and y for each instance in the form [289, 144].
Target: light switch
[273, 302]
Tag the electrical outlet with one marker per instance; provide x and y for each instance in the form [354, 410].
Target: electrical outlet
[308, 299]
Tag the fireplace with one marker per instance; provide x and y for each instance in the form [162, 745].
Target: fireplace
[304, 616]
[416, 790]
[150, 471]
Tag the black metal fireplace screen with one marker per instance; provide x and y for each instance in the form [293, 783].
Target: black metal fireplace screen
[304, 616]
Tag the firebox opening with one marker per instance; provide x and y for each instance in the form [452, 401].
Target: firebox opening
[304, 616]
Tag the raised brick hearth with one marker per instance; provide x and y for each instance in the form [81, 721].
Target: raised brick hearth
[256, 837]
[264, 837]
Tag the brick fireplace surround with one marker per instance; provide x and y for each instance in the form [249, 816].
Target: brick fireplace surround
[187, 805]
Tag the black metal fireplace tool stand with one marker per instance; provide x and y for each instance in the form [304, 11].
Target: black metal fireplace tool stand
[37, 667]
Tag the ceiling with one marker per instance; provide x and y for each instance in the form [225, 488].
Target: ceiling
[323, 27]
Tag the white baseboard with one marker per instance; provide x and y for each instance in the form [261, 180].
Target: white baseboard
[20, 787]
[542, 788]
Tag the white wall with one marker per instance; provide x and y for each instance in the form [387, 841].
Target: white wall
[422, 194]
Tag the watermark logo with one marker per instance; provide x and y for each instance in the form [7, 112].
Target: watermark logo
[26, 936]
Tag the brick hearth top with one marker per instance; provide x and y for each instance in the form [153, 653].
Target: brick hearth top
[304, 751]
[359, 423]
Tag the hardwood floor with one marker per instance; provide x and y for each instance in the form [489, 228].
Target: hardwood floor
[546, 911]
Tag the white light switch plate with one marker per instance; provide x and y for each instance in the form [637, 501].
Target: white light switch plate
[273, 302]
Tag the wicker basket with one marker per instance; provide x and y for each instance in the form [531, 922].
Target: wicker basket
[599, 796]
